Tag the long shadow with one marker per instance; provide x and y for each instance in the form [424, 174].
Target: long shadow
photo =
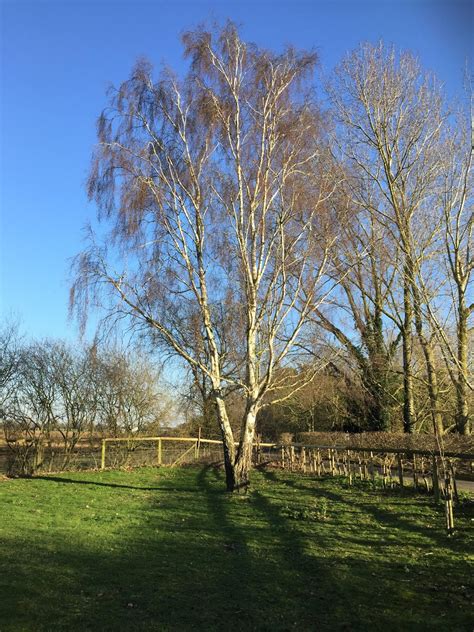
[310, 490]
[333, 586]
[166, 488]
[389, 520]
[57, 479]
[295, 578]
[201, 561]
[395, 521]
[239, 566]
[432, 569]
[308, 580]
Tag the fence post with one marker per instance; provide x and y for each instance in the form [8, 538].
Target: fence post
[424, 476]
[449, 505]
[435, 478]
[415, 473]
[372, 466]
[384, 471]
[400, 469]
[340, 462]
[159, 452]
[453, 479]
[366, 469]
[102, 460]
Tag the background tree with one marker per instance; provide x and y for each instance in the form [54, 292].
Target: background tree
[456, 200]
[355, 314]
[58, 395]
[393, 118]
[10, 343]
[130, 396]
[54, 399]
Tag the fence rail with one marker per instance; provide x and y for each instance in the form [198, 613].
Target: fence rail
[416, 451]
[157, 455]
[321, 459]
[198, 441]
[400, 463]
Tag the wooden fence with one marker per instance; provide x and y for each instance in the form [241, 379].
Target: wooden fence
[172, 456]
[433, 472]
[422, 469]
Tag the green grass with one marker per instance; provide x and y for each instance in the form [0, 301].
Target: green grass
[170, 550]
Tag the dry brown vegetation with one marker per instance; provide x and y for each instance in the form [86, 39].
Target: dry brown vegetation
[389, 440]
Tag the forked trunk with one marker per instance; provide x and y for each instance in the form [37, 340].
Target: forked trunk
[237, 463]
[243, 463]
[237, 472]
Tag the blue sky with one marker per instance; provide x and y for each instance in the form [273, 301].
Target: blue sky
[57, 59]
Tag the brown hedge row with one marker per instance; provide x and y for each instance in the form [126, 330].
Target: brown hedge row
[387, 441]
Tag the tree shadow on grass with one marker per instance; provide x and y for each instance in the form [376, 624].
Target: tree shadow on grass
[388, 519]
[205, 561]
[59, 479]
[202, 561]
[162, 487]
[404, 544]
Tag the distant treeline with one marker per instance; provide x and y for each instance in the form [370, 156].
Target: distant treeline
[55, 395]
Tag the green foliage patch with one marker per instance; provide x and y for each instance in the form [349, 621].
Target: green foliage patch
[169, 549]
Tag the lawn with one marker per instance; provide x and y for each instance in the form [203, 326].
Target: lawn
[169, 549]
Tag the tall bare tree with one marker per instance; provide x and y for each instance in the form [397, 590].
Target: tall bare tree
[393, 119]
[457, 201]
[215, 187]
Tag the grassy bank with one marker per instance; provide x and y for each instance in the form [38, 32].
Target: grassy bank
[170, 550]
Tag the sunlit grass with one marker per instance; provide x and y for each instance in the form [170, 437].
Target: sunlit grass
[171, 550]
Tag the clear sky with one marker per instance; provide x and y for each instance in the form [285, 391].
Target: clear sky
[57, 59]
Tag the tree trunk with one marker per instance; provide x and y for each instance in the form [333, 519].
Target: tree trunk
[432, 378]
[462, 407]
[433, 390]
[375, 380]
[408, 402]
[227, 442]
[378, 409]
[243, 462]
[237, 465]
